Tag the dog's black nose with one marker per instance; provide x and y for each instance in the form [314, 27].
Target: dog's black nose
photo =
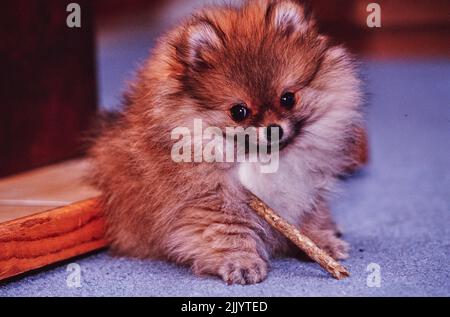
[269, 132]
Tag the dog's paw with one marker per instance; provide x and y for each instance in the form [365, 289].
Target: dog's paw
[243, 269]
[328, 241]
[337, 248]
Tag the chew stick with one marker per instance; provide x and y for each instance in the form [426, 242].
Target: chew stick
[303, 242]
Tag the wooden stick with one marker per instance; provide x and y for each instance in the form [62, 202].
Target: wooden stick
[304, 243]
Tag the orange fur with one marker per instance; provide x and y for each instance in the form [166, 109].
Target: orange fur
[196, 214]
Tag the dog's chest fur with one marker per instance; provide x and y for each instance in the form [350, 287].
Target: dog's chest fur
[290, 191]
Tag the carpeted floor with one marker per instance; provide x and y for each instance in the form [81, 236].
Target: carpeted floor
[395, 213]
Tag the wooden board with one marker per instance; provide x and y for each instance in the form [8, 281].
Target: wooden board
[43, 189]
[38, 240]
[47, 215]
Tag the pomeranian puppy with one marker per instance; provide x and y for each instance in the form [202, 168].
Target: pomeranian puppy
[262, 64]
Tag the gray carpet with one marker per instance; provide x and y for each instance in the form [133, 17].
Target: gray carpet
[395, 213]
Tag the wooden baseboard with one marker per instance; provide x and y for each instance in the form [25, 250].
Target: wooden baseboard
[45, 238]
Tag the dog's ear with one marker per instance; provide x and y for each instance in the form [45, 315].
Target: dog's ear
[201, 38]
[288, 17]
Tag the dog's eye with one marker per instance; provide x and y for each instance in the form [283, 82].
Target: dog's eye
[288, 100]
[239, 112]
